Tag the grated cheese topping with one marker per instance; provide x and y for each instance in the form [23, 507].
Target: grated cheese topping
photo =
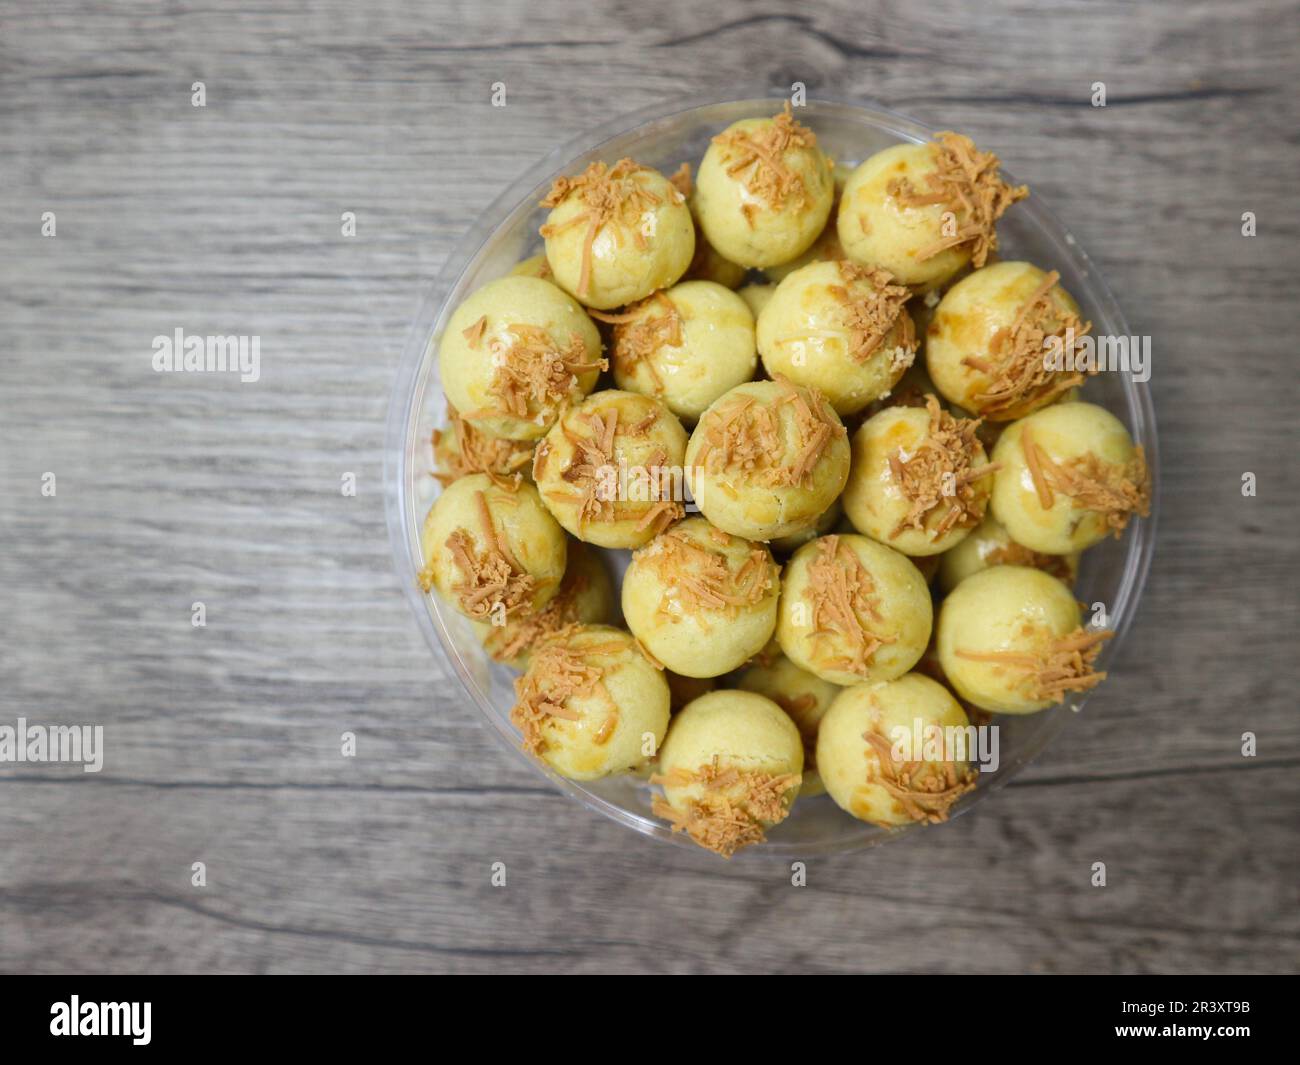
[734, 807]
[967, 183]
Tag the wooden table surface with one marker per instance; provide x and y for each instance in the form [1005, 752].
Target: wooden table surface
[171, 489]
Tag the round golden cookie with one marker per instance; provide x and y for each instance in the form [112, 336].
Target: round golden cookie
[586, 597]
[1068, 476]
[1009, 640]
[616, 234]
[840, 328]
[767, 460]
[992, 344]
[515, 353]
[492, 552]
[891, 754]
[852, 610]
[989, 544]
[925, 211]
[610, 471]
[764, 191]
[730, 768]
[685, 346]
[919, 481]
[701, 601]
[591, 704]
[802, 695]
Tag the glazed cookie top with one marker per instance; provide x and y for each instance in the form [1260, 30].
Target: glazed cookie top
[874, 310]
[732, 806]
[864, 735]
[754, 151]
[584, 687]
[605, 471]
[493, 550]
[1011, 375]
[918, 478]
[515, 352]
[686, 345]
[853, 609]
[731, 765]
[765, 190]
[842, 599]
[629, 226]
[1010, 639]
[1045, 673]
[841, 328]
[1070, 476]
[966, 182]
[768, 434]
[1117, 493]
[707, 573]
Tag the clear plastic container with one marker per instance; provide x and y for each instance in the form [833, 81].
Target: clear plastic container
[1112, 573]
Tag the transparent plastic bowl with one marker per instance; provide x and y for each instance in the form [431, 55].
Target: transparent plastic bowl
[1112, 573]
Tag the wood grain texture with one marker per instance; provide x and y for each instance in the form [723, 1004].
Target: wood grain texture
[177, 488]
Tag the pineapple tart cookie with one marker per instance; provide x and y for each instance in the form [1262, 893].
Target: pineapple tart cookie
[515, 353]
[615, 234]
[610, 469]
[700, 600]
[460, 448]
[1010, 640]
[586, 597]
[840, 328]
[767, 459]
[992, 344]
[764, 190]
[492, 552]
[591, 703]
[802, 695]
[877, 775]
[1068, 476]
[924, 212]
[989, 544]
[852, 610]
[730, 768]
[685, 346]
[919, 480]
